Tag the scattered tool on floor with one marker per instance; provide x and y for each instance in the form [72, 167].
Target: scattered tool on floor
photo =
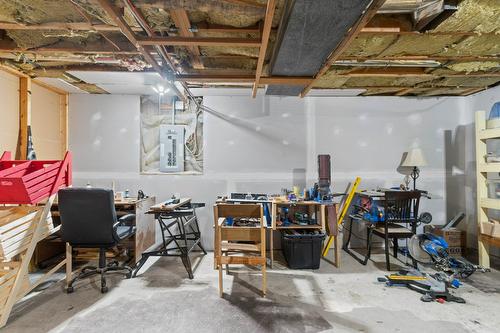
[432, 250]
[432, 286]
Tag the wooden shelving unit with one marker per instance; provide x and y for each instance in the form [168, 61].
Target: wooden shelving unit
[483, 202]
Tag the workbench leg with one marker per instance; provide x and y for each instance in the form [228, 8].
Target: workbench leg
[264, 280]
[337, 250]
[271, 246]
[484, 256]
[69, 264]
[221, 290]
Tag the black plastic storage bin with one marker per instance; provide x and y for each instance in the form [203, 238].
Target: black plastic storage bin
[302, 251]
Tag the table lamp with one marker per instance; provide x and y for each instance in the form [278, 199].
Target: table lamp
[415, 158]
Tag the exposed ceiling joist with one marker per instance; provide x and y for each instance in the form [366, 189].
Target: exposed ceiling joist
[266, 31]
[291, 80]
[181, 21]
[116, 16]
[75, 26]
[351, 34]
[100, 47]
[199, 41]
[412, 57]
[247, 3]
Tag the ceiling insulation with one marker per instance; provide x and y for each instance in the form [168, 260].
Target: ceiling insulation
[474, 15]
[71, 42]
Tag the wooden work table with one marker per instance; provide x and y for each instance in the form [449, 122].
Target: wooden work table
[314, 209]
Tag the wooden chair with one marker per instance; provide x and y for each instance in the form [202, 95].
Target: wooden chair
[401, 214]
[243, 245]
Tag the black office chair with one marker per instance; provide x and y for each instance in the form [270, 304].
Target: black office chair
[88, 219]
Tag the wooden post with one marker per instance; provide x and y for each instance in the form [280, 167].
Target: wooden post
[24, 116]
[64, 123]
[69, 264]
[482, 191]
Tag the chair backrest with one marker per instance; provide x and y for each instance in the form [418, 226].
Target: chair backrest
[401, 206]
[87, 216]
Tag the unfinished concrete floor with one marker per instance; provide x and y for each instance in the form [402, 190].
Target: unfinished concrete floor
[348, 299]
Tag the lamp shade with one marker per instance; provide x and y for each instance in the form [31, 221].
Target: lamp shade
[414, 158]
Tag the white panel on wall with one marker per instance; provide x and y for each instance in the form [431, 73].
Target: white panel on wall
[9, 123]
[46, 123]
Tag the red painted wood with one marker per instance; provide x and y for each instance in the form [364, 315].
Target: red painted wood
[29, 182]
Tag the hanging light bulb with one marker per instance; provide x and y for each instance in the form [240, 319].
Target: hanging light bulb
[160, 89]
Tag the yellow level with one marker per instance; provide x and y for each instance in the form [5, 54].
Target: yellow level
[406, 277]
[345, 210]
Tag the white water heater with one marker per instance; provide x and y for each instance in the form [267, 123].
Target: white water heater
[171, 148]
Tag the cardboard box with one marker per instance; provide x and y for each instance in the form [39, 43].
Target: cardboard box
[455, 238]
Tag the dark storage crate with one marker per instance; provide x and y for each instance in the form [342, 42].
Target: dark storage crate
[302, 251]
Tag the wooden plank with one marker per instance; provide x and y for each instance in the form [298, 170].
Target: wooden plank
[346, 42]
[291, 80]
[484, 134]
[488, 167]
[181, 21]
[237, 260]
[421, 57]
[12, 71]
[251, 3]
[240, 234]
[160, 207]
[266, 31]
[63, 123]
[198, 41]
[24, 116]
[240, 247]
[239, 210]
[403, 92]
[489, 203]
[489, 240]
[23, 268]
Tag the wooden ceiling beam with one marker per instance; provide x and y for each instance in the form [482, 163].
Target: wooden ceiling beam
[181, 21]
[115, 14]
[247, 3]
[422, 58]
[291, 80]
[95, 47]
[346, 42]
[266, 31]
[199, 41]
[75, 26]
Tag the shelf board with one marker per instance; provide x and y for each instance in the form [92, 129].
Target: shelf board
[493, 133]
[490, 240]
[316, 226]
[489, 167]
[490, 203]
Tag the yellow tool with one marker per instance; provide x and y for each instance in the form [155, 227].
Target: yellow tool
[345, 210]
[406, 277]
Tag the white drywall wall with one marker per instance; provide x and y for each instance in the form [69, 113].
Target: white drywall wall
[46, 123]
[9, 114]
[255, 145]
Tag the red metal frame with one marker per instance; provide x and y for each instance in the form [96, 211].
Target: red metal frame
[29, 182]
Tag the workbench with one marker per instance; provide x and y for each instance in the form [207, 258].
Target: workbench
[178, 225]
[314, 209]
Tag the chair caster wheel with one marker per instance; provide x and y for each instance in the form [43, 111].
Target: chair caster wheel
[104, 290]
[128, 275]
[70, 290]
